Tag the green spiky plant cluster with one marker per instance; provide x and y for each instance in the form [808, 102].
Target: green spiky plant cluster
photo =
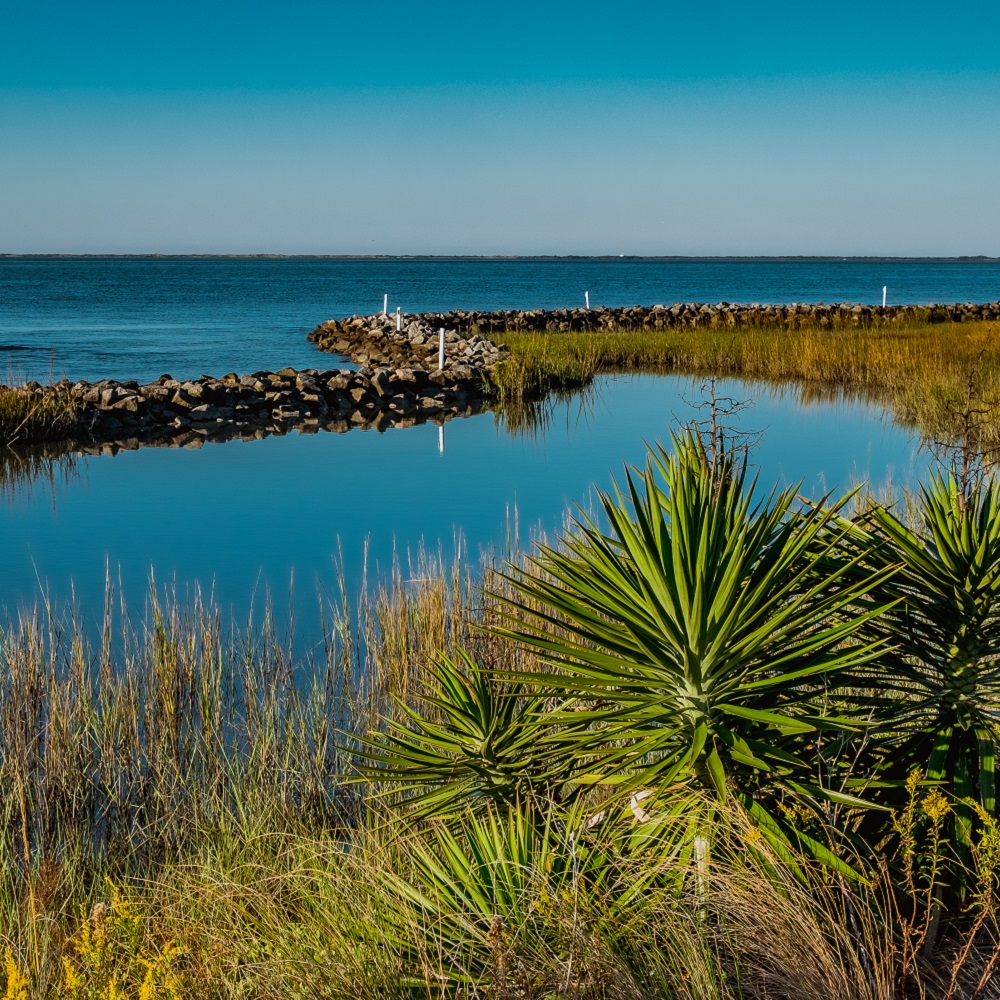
[704, 649]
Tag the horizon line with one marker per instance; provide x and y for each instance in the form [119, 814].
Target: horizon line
[488, 257]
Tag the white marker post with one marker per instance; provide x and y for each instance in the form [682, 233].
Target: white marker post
[440, 439]
[441, 352]
[586, 299]
[884, 288]
[385, 304]
[399, 320]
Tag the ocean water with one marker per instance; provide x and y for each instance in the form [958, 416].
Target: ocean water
[143, 317]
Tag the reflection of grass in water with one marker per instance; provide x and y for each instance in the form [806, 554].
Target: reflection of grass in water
[20, 468]
[919, 370]
[533, 417]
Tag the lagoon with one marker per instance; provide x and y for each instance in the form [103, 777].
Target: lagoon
[242, 519]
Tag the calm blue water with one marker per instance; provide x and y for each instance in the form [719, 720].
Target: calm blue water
[239, 518]
[141, 318]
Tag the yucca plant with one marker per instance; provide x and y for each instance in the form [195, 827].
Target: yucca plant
[704, 629]
[938, 686]
[505, 901]
[471, 741]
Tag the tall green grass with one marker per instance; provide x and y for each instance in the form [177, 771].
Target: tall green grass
[180, 818]
[920, 371]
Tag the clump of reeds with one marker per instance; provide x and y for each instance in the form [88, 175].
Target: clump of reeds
[28, 417]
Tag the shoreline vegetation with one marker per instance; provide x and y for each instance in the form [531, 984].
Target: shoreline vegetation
[928, 375]
[728, 745]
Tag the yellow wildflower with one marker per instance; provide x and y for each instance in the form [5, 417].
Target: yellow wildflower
[72, 980]
[17, 984]
[936, 806]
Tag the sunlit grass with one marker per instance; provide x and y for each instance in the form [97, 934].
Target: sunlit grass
[919, 371]
[27, 418]
[179, 820]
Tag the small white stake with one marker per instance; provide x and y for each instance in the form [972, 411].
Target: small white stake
[385, 304]
[399, 320]
[884, 287]
[586, 298]
[440, 439]
[441, 352]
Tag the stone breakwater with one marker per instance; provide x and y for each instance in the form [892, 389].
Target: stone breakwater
[374, 340]
[368, 336]
[173, 412]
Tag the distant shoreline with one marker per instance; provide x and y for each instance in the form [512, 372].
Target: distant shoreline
[479, 257]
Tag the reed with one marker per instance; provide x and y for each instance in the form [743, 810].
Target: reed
[28, 418]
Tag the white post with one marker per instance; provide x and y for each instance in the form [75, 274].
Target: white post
[884, 287]
[385, 304]
[586, 298]
[399, 320]
[441, 352]
[440, 439]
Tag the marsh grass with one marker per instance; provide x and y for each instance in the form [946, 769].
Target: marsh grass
[28, 418]
[920, 371]
[189, 778]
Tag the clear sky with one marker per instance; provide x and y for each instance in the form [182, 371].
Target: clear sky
[713, 127]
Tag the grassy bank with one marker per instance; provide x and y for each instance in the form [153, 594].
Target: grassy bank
[713, 749]
[920, 371]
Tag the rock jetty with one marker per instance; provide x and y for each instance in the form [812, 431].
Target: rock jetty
[170, 411]
[399, 381]
[374, 340]
[362, 334]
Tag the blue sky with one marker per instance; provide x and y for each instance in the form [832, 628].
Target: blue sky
[711, 128]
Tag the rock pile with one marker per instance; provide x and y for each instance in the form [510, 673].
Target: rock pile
[369, 340]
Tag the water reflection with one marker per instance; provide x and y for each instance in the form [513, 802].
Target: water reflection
[22, 469]
[261, 511]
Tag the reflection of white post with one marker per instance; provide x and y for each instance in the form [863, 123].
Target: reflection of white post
[884, 287]
[440, 439]
[385, 304]
[586, 298]
[441, 352]
[399, 320]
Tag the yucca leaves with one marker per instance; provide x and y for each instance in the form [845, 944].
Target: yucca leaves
[938, 687]
[704, 627]
[473, 740]
[499, 884]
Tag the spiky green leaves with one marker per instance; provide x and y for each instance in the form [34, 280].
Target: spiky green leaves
[472, 740]
[703, 627]
[938, 687]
